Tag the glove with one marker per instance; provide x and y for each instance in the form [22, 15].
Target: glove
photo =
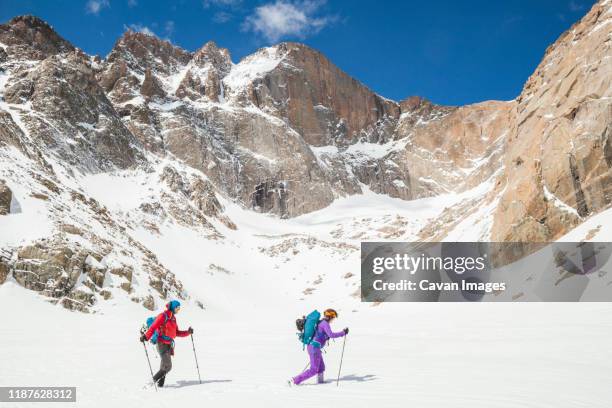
[346, 331]
[190, 330]
[143, 338]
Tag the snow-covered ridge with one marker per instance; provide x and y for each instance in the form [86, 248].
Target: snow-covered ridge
[253, 66]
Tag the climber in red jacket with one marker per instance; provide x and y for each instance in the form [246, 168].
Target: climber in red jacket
[165, 325]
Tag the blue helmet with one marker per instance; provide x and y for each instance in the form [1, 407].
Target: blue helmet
[172, 305]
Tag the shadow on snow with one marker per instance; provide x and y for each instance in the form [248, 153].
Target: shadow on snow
[358, 378]
[350, 377]
[181, 384]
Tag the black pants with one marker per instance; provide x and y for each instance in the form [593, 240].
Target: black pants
[165, 352]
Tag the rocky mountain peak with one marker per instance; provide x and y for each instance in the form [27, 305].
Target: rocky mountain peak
[217, 57]
[141, 51]
[31, 37]
[416, 109]
[319, 100]
[414, 103]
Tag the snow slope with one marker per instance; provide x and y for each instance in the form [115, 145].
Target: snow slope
[425, 355]
[259, 278]
[252, 67]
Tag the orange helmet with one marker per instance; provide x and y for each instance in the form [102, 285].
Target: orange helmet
[330, 314]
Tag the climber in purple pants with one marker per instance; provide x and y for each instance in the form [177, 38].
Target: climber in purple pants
[324, 332]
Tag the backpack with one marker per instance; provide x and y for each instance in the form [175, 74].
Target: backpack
[156, 334]
[307, 327]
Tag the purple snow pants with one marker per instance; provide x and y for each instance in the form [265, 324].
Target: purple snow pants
[317, 365]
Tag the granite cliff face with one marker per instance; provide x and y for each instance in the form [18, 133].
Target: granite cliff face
[57, 99]
[322, 103]
[559, 154]
[259, 129]
[283, 132]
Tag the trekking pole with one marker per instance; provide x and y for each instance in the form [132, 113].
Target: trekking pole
[341, 357]
[196, 358]
[150, 368]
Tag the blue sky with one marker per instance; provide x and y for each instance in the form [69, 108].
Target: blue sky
[452, 52]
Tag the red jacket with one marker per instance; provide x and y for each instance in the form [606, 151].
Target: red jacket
[169, 329]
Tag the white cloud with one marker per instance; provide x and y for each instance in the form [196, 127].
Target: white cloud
[140, 28]
[287, 19]
[95, 6]
[132, 3]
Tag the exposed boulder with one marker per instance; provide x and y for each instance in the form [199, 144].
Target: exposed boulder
[78, 277]
[114, 72]
[191, 86]
[52, 270]
[5, 269]
[6, 196]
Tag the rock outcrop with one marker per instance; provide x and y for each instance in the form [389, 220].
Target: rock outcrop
[6, 196]
[77, 277]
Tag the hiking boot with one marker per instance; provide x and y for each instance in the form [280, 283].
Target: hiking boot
[160, 382]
